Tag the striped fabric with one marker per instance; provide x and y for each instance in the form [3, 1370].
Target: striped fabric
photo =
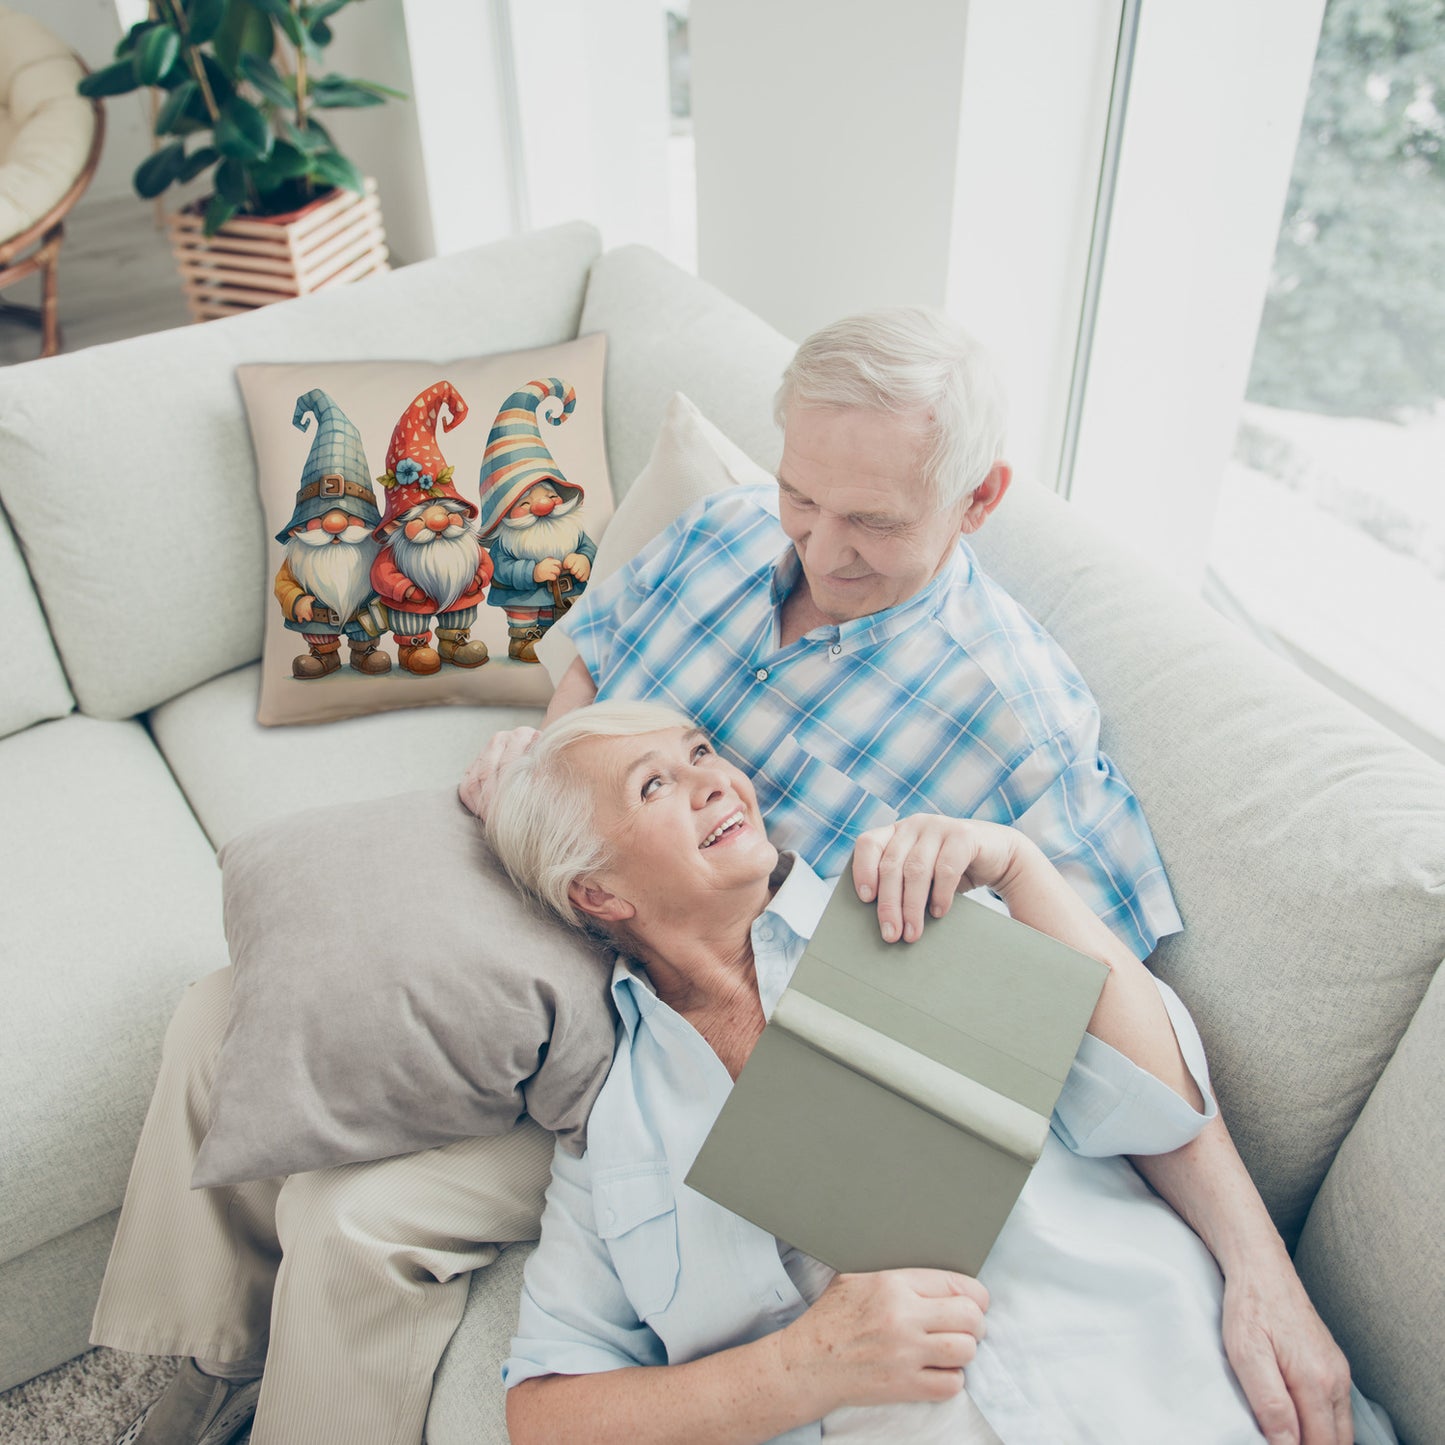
[954, 702]
[516, 457]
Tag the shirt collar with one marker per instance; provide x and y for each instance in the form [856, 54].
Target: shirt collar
[878, 626]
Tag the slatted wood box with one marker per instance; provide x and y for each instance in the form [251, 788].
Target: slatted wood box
[255, 260]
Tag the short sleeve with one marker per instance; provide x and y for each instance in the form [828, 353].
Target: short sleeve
[575, 1318]
[1076, 805]
[1109, 1105]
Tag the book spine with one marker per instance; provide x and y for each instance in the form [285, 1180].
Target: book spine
[953, 1097]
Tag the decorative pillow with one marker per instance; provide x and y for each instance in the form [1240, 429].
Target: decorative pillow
[691, 459]
[430, 523]
[370, 1021]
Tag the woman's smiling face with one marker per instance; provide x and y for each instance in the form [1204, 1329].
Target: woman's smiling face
[681, 823]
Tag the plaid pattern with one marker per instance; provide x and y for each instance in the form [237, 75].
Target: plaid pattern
[954, 702]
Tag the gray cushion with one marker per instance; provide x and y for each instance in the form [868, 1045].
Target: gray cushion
[1373, 1250]
[149, 432]
[237, 774]
[35, 687]
[393, 993]
[668, 332]
[1301, 840]
[110, 906]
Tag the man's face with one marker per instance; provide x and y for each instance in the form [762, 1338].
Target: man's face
[853, 502]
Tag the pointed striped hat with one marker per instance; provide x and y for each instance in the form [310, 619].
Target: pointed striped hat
[336, 476]
[416, 471]
[516, 457]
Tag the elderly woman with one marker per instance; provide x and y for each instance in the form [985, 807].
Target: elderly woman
[654, 1314]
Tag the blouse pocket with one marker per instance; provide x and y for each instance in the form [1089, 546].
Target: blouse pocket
[637, 1217]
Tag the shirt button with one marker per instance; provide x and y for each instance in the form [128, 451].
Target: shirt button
[761, 674]
[836, 648]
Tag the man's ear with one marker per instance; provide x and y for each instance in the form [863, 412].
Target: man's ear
[596, 902]
[986, 496]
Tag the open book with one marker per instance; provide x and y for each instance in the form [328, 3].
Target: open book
[900, 1094]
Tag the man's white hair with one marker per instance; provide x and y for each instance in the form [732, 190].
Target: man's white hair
[908, 360]
[542, 823]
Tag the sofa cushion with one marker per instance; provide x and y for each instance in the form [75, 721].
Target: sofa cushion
[1372, 1254]
[669, 332]
[35, 687]
[111, 905]
[1301, 840]
[236, 774]
[120, 460]
[392, 437]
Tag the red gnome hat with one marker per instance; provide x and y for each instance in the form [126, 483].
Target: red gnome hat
[416, 470]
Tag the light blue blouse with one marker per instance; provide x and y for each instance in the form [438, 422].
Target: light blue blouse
[1104, 1321]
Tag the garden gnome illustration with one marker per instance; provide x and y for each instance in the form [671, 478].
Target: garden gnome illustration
[531, 519]
[324, 585]
[431, 571]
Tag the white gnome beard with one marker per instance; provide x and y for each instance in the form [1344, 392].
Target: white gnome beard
[441, 567]
[538, 537]
[338, 576]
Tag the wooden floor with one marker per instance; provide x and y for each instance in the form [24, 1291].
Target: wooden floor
[117, 279]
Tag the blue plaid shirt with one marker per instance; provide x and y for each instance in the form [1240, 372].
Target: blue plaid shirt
[954, 702]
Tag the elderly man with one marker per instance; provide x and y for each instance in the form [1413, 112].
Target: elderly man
[839, 642]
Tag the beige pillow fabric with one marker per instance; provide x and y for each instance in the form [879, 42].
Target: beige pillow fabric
[369, 1021]
[402, 540]
[691, 459]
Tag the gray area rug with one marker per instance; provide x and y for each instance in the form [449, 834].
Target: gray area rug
[88, 1401]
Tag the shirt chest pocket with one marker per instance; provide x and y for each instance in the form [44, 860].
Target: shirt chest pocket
[637, 1218]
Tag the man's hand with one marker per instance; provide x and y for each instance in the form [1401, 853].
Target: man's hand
[1295, 1377]
[479, 782]
[577, 565]
[303, 608]
[549, 569]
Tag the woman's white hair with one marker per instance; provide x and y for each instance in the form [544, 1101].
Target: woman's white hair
[542, 823]
[908, 360]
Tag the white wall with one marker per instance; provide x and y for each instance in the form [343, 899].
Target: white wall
[827, 138]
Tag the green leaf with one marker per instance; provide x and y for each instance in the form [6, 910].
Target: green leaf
[323, 11]
[117, 79]
[277, 88]
[231, 182]
[378, 89]
[222, 85]
[333, 168]
[244, 31]
[218, 212]
[173, 112]
[320, 35]
[158, 50]
[203, 19]
[242, 131]
[333, 92]
[128, 42]
[313, 140]
[287, 163]
[157, 171]
[285, 17]
[197, 161]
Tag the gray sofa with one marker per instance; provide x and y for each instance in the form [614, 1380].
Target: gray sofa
[1305, 845]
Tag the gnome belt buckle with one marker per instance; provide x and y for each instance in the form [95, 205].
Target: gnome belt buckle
[559, 589]
[333, 486]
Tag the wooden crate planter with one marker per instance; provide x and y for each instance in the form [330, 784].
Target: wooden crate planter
[255, 260]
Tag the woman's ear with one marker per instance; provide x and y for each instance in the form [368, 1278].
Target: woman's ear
[596, 902]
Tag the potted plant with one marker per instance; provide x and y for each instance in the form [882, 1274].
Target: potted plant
[239, 85]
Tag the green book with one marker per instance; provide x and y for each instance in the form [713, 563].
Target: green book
[900, 1094]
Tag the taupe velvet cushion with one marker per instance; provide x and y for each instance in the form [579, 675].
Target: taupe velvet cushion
[393, 993]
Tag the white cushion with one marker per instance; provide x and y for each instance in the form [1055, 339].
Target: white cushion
[111, 905]
[236, 773]
[35, 688]
[147, 432]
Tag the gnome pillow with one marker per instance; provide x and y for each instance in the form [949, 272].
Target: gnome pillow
[432, 577]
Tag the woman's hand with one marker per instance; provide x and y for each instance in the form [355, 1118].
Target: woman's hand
[897, 1335]
[479, 780]
[918, 864]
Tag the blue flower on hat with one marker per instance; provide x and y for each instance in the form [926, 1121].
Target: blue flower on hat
[407, 472]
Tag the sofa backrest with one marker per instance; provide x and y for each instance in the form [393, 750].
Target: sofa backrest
[34, 688]
[128, 474]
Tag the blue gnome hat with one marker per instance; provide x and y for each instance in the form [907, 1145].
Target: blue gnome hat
[336, 474]
[516, 456]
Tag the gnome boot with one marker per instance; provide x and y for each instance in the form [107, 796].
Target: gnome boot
[367, 657]
[415, 656]
[454, 648]
[522, 643]
[323, 658]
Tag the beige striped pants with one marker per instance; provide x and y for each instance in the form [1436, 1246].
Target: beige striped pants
[350, 1281]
